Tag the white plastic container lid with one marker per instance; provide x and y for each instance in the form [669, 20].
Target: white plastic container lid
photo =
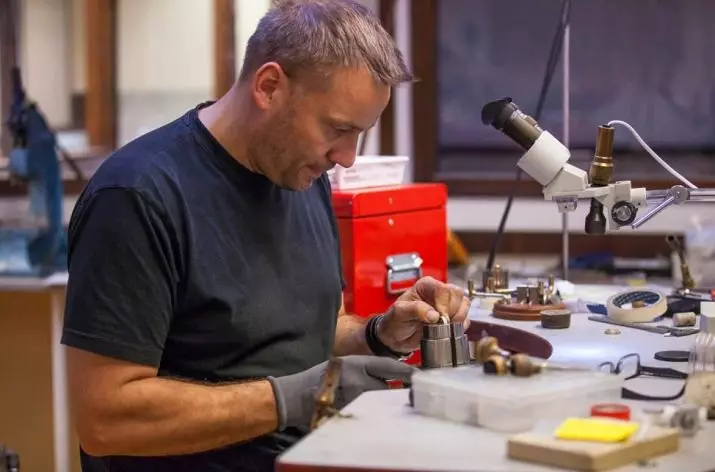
[543, 387]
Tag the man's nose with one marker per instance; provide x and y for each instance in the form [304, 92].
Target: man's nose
[343, 157]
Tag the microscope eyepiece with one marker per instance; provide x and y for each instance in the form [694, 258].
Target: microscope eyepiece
[497, 113]
[506, 117]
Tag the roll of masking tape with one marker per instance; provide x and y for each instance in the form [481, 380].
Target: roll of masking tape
[636, 306]
[617, 411]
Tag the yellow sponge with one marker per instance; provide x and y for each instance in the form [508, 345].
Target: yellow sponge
[596, 430]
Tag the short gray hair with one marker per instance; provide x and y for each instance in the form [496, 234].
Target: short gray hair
[323, 35]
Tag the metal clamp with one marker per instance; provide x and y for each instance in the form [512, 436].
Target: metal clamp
[677, 194]
[403, 271]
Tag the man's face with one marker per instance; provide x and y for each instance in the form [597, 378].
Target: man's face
[307, 131]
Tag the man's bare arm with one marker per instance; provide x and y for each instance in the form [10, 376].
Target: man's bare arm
[350, 334]
[124, 409]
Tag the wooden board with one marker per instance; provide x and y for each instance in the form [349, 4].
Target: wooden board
[590, 456]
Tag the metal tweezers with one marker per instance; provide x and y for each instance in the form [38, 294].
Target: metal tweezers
[659, 329]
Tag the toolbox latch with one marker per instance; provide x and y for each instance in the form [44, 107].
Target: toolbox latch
[403, 270]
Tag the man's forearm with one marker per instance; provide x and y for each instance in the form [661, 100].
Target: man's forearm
[350, 336]
[159, 416]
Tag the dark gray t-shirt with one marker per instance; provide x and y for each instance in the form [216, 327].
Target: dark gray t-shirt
[182, 259]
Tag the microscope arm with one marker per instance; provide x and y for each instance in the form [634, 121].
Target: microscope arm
[546, 161]
[675, 195]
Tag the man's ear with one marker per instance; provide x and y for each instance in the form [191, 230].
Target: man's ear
[270, 85]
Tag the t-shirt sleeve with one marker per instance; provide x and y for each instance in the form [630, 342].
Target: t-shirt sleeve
[122, 278]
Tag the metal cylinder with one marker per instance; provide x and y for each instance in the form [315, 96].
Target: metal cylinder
[601, 168]
[461, 345]
[436, 346]
[444, 345]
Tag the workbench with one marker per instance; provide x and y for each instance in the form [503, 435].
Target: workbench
[34, 413]
[385, 434]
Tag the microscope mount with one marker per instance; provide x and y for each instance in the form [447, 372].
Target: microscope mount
[546, 161]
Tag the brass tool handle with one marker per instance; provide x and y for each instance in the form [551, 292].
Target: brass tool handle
[324, 407]
[677, 246]
[486, 347]
[496, 365]
[522, 365]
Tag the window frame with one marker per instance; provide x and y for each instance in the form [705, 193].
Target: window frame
[426, 146]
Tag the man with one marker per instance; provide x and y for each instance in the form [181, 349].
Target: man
[204, 294]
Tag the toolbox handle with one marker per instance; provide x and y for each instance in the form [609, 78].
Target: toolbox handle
[403, 271]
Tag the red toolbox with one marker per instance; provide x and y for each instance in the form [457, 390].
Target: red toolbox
[390, 237]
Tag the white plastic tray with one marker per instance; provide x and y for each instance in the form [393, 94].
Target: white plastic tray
[369, 171]
[506, 403]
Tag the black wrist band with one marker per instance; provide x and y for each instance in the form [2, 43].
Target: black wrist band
[373, 341]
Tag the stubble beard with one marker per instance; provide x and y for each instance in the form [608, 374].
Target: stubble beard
[266, 151]
[273, 150]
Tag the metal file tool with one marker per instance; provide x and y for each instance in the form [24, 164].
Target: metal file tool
[658, 329]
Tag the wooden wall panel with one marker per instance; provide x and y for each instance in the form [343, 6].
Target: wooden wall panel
[424, 91]
[101, 95]
[224, 46]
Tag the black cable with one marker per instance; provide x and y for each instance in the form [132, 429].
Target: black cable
[554, 55]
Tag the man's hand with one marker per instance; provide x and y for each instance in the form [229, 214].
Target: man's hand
[296, 393]
[401, 327]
